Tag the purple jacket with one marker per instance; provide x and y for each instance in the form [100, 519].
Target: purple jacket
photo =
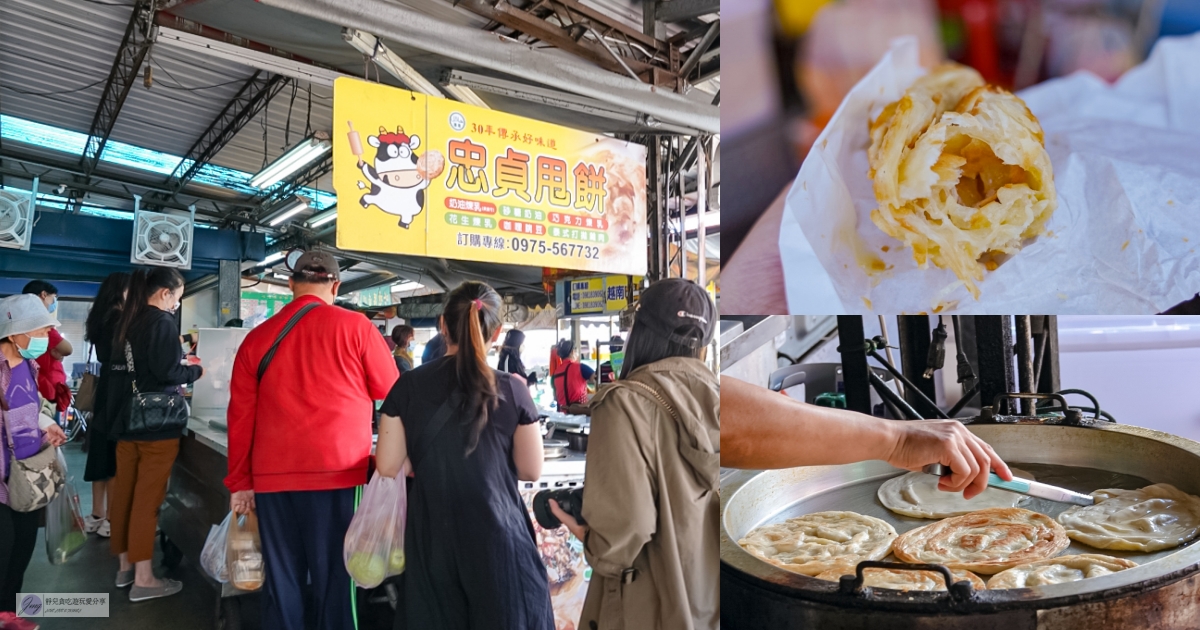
[5, 448]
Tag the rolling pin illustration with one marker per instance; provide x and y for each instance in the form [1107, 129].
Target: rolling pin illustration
[355, 143]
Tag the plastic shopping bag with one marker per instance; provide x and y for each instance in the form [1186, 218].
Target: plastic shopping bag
[243, 552]
[212, 557]
[65, 535]
[374, 546]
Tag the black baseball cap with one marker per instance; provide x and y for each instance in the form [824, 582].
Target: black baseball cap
[320, 259]
[679, 310]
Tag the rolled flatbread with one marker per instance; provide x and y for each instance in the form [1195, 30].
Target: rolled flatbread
[916, 494]
[1154, 518]
[901, 580]
[1059, 570]
[815, 543]
[960, 172]
[986, 541]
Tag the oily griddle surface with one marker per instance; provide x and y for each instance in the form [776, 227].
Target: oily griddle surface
[860, 496]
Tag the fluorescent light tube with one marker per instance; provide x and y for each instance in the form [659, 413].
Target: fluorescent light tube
[277, 256]
[323, 218]
[289, 163]
[287, 211]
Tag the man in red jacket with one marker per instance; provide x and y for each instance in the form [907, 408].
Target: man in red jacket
[300, 439]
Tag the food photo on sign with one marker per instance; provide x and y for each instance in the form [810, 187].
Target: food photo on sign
[432, 177]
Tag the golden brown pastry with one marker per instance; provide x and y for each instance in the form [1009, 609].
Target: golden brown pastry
[814, 543]
[902, 580]
[960, 172]
[1059, 570]
[987, 541]
[1154, 518]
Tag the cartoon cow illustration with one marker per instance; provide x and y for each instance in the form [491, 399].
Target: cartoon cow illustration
[397, 183]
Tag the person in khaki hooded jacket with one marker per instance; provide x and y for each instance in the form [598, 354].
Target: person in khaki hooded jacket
[650, 498]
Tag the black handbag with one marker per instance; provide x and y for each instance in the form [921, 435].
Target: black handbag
[152, 412]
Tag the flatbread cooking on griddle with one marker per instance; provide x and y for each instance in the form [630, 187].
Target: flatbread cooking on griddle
[987, 541]
[902, 580]
[1059, 570]
[916, 494]
[1154, 518]
[815, 543]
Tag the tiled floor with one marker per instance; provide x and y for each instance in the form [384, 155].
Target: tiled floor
[93, 569]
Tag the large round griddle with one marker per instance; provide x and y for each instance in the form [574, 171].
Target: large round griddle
[1081, 458]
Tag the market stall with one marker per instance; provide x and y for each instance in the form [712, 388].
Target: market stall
[197, 499]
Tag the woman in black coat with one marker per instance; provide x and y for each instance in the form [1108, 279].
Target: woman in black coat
[99, 331]
[510, 357]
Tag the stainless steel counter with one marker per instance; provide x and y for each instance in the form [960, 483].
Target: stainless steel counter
[215, 439]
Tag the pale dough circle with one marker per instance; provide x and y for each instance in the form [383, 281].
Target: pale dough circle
[916, 494]
[986, 541]
[814, 543]
[902, 580]
[1060, 570]
[1154, 518]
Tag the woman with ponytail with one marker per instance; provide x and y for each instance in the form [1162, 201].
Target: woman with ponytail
[148, 332]
[467, 433]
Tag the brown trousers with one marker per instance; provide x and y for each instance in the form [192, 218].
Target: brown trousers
[135, 494]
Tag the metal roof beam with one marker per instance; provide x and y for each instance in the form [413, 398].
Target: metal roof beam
[472, 46]
[678, 10]
[72, 178]
[571, 102]
[245, 105]
[378, 52]
[139, 35]
[657, 65]
[701, 47]
[248, 53]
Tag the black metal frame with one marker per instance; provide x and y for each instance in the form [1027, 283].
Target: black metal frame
[565, 24]
[253, 96]
[994, 341]
[139, 36]
[855, 371]
[914, 340]
[996, 347]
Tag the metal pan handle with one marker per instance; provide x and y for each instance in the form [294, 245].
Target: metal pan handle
[853, 584]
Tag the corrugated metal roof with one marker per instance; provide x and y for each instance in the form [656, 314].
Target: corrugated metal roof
[57, 46]
[61, 46]
[169, 118]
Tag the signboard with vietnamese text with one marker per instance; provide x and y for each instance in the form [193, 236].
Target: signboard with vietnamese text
[603, 295]
[427, 176]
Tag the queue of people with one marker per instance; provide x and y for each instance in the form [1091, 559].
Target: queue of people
[303, 393]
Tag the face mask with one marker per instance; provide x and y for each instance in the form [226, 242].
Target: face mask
[37, 347]
[53, 306]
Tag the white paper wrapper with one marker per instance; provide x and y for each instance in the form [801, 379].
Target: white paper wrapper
[1126, 163]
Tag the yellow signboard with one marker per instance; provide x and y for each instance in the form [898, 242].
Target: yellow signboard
[427, 176]
[600, 295]
[587, 295]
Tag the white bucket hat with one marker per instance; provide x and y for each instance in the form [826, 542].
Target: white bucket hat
[20, 314]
